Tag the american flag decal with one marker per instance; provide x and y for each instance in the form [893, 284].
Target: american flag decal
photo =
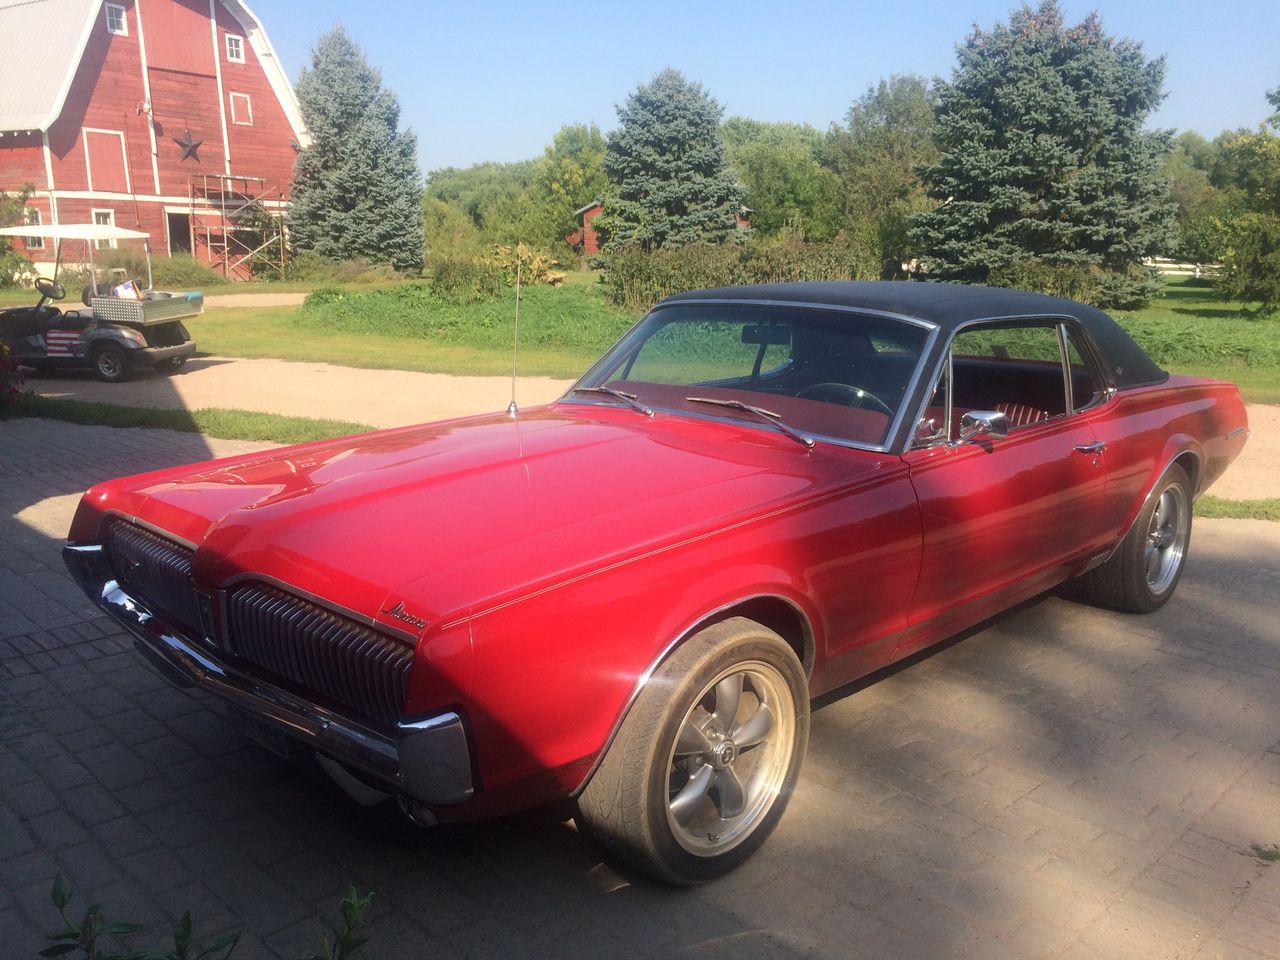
[58, 342]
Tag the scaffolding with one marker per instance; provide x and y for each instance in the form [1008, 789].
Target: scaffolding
[238, 223]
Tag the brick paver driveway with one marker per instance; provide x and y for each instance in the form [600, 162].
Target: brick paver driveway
[1062, 783]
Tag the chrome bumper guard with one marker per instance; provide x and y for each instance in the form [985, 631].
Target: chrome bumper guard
[427, 759]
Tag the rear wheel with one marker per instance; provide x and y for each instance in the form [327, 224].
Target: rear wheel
[111, 363]
[1142, 574]
[173, 365]
[705, 762]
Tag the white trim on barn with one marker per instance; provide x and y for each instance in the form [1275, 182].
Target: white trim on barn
[124, 157]
[271, 66]
[145, 106]
[222, 94]
[117, 14]
[244, 116]
[109, 222]
[48, 176]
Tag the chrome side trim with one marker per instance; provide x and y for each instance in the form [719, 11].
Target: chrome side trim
[428, 759]
[138, 522]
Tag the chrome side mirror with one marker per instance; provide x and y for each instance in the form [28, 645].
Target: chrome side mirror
[991, 424]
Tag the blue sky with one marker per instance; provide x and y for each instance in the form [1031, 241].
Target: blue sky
[495, 81]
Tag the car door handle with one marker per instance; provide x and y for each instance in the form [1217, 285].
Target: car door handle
[1096, 447]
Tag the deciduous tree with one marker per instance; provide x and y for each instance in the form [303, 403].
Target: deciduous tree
[786, 185]
[669, 184]
[887, 137]
[1045, 156]
[356, 187]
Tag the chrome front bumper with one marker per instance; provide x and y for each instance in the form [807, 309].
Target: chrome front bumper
[428, 760]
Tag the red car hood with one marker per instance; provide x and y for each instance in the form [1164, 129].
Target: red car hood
[446, 516]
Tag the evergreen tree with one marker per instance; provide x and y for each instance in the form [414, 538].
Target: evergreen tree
[665, 162]
[1045, 159]
[356, 188]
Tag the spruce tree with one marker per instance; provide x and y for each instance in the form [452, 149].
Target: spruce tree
[665, 162]
[1045, 159]
[356, 187]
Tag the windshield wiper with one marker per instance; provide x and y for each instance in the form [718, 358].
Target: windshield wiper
[768, 416]
[629, 399]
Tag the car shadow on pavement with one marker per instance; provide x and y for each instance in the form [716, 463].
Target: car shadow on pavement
[1060, 777]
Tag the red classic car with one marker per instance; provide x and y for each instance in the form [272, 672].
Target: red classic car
[628, 597]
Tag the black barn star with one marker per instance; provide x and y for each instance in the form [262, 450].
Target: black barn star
[189, 146]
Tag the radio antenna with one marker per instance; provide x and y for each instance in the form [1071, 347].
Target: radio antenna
[512, 410]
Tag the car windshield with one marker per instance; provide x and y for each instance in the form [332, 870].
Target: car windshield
[825, 373]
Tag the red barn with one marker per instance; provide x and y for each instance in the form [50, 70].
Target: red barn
[169, 116]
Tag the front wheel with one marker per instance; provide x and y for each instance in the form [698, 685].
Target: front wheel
[705, 762]
[1141, 575]
[111, 363]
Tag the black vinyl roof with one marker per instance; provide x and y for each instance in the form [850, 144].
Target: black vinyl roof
[948, 306]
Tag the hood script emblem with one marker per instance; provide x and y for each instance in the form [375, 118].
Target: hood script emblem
[397, 612]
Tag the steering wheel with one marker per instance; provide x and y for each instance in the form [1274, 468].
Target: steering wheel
[845, 394]
[50, 289]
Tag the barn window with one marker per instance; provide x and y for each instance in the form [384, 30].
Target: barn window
[116, 22]
[235, 48]
[106, 218]
[241, 109]
[32, 218]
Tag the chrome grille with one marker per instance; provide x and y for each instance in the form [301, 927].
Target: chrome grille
[319, 650]
[156, 571]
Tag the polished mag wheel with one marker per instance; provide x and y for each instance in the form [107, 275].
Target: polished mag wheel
[730, 759]
[704, 763]
[1144, 570]
[1167, 538]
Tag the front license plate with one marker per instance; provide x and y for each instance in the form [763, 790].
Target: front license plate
[258, 730]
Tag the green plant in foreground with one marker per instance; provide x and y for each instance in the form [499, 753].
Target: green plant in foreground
[84, 936]
[338, 943]
[1269, 852]
[345, 943]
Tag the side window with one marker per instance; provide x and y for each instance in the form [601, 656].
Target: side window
[1014, 368]
[1085, 388]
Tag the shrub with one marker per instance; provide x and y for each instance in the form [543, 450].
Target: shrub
[11, 380]
[462, 279]
[307, 265]
[15, 269]
[1088, 284]
[574, 318]
[183, 271]
[1251, 266]
[637, 279]
[323, 296]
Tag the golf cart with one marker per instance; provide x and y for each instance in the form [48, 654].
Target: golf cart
[122, 326]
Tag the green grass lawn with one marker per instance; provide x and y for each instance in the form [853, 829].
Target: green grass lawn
[401, 326]
[226, 423]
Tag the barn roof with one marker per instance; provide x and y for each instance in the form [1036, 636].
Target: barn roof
[41, 42]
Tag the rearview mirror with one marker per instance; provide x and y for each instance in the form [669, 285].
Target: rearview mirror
[774, 335]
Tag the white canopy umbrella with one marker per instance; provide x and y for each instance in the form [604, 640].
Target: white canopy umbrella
[74, 231]
[90, 233]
